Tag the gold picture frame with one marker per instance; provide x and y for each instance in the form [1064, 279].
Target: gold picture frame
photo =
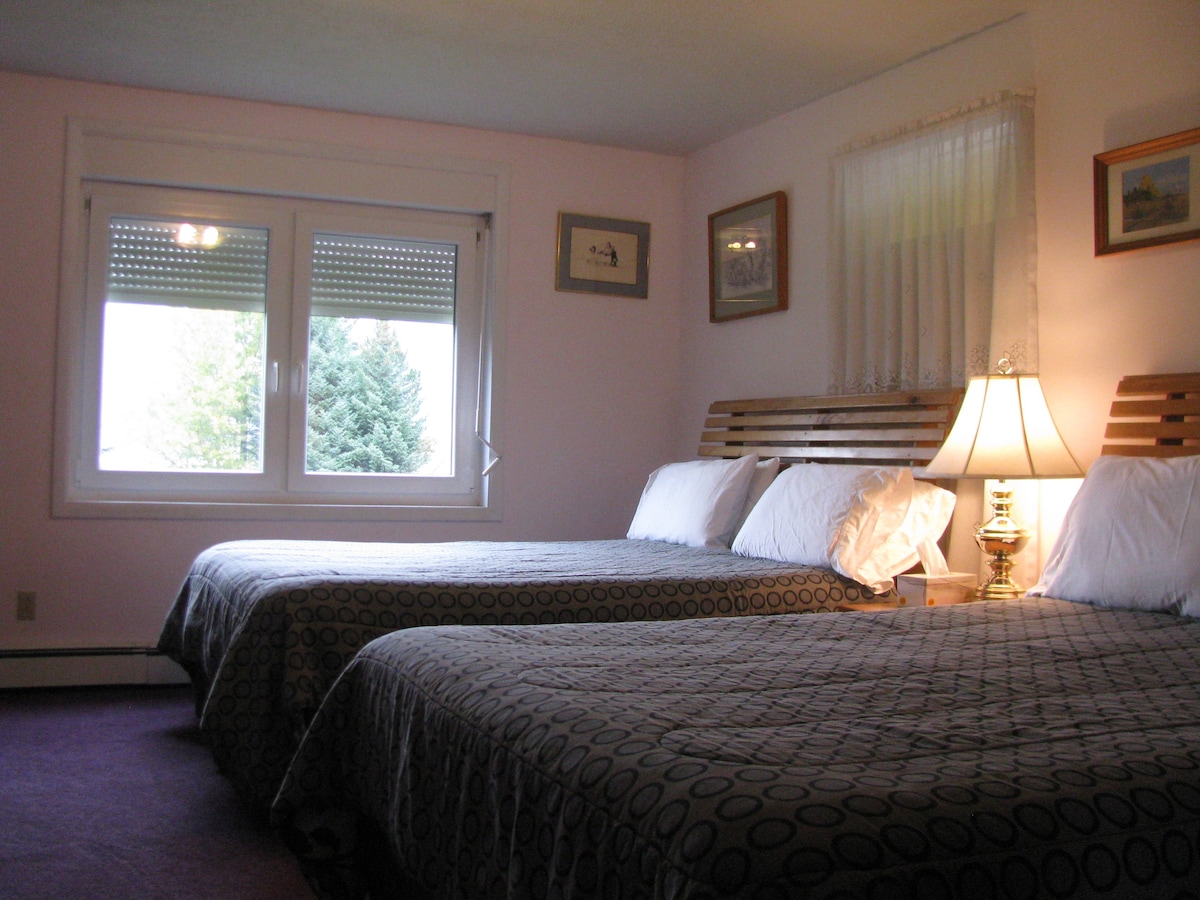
[1148, 194]
[603, 256]
[747, 259]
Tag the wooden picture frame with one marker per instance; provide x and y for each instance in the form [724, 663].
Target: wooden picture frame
[1148, 193]
[603, 256]
[747, 259]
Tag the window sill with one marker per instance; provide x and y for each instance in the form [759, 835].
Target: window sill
[199, 510]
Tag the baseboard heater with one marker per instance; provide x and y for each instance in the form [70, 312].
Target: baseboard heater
[83, 666]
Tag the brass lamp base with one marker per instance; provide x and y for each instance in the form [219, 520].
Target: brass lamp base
[1000, 538]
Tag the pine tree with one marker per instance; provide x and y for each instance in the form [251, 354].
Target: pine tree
[364, 403]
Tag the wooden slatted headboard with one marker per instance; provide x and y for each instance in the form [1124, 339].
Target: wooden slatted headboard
[1160, 418]
[893, 429]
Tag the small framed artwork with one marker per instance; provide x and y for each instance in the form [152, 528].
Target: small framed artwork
[603, 256]
[1148, 193]
[747, 259]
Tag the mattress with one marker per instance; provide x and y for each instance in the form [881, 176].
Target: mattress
[1029, 748]
[264, 627]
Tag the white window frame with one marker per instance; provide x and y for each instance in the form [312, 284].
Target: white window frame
[317, 188]
[466, 481]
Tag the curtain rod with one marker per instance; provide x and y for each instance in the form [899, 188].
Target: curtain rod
[1017, 96]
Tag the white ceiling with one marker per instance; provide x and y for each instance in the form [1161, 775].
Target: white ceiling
[664, 75]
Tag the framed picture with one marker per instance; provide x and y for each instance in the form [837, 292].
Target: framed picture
[603, 256]
[1149, 193]
[747, 259]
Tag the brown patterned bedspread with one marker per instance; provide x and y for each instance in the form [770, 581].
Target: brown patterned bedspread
[1032, 748]
[264, 627]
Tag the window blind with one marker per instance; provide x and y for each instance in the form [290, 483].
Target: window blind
[352, 275]
[148, 264]
[383, 278]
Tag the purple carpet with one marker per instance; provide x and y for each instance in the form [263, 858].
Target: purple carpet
[111, 793]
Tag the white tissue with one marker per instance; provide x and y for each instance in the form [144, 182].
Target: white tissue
[932, 560]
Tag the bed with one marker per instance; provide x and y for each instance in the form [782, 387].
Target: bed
[264, 627]
[1042, 747]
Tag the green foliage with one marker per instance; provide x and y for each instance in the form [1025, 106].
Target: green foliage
[1146, 190]
[213, 419]
[364, 403]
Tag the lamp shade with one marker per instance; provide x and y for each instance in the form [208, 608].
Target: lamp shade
[1004, 430]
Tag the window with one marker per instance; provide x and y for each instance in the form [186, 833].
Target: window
[245, 354]
[933, 241]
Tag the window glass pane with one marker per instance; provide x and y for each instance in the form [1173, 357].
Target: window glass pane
[381, 357]
[183, 354]
[379, 397]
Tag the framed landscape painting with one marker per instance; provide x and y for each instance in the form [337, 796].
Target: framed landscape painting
[1148, 194]
[747, 259]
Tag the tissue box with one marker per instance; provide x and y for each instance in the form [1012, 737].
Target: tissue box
[935, 590]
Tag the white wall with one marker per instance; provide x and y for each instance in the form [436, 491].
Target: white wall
[1108, 73]
[589, 380]
[788, 353]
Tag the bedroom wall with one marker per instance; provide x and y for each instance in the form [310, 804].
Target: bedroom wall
[1107, 74]
[589, 381]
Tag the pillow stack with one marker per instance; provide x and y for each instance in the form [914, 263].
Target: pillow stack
[868, 523]
[860, 521]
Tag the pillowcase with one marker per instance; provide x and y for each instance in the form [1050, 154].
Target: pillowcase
[916, 539]
[829, 515]
[1131, 537]
[694, 503]
[764, 473]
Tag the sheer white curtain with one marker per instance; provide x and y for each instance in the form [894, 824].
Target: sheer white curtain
[935, 250]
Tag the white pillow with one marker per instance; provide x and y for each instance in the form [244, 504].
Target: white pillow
[1131, 537]
[916, 539]
[829, 515]
[764, 473]
[694, 503]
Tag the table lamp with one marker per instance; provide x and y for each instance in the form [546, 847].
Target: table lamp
[1003, 430]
